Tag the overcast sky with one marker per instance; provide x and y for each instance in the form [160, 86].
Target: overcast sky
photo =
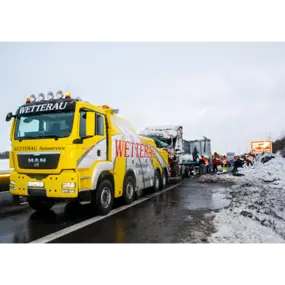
[230, 92]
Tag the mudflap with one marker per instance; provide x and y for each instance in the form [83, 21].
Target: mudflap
[85, 196]
[19, 200]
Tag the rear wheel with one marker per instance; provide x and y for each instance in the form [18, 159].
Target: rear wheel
[157, 183]
[187, 173]
[129, 190]
[104, 197]
[40, 204]
[164, 179]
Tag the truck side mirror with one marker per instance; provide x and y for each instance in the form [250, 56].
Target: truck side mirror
[9, 117]
[90, 124]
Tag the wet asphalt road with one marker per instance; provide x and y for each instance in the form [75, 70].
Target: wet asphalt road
[173, 216]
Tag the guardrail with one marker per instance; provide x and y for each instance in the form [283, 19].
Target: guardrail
[4, 180]
[6, 198]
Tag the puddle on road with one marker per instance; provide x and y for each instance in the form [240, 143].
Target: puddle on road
[206, 198]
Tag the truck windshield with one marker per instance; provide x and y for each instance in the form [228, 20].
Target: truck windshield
[159, 143]
[48, 125]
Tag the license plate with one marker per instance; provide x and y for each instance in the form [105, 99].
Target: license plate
[36, 184]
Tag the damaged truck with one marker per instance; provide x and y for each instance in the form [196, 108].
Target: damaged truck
[184, 155]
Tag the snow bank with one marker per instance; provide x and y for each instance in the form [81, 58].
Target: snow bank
[272, 172]
[222, 178]
[4, 165]
[233, 228]
[256, 213]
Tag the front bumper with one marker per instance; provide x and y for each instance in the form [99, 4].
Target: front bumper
[52, 185]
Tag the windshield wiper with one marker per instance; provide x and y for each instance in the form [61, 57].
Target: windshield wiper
[27, 138]
[51, 136]
[39, 137]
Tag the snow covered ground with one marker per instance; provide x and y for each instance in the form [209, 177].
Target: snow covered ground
[256, 213]
[4, 164]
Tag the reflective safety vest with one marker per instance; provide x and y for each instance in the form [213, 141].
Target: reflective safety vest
[224, 160]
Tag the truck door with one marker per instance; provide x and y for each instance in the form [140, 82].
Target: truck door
[93, 133]
[100, 132]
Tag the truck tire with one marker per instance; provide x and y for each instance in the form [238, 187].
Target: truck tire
[157, 181]
[129, 193]
[104, 197]
[164, 180]
[40, 204]
[187, 173]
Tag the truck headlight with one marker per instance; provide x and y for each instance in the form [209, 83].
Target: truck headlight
[68, 185]
[12, 185]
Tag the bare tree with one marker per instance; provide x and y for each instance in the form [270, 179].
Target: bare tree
[279, 145]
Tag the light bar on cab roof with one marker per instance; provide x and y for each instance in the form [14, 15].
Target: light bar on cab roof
[50, 96]
[33, 98]
[59, 94]
[41, 97]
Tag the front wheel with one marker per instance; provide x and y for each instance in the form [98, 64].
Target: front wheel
[40, 204]
[104, 197]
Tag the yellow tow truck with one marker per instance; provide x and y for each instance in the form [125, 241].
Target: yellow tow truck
[66, 148]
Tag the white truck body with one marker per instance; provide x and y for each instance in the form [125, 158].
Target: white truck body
[173, 135]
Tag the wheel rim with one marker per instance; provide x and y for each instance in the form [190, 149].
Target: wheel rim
[106, 197]
[156, 182]
[164, 179]
[130, 190]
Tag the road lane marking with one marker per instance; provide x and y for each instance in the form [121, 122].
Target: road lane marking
[93, 220]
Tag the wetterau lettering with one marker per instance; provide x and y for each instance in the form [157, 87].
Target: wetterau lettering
[58, 106]
[25, 148]
[135, 150]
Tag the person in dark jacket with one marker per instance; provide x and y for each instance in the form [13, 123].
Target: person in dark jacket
[173, 163]
[238, 163]
[202, 165]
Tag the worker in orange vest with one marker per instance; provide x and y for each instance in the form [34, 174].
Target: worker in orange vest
[224, 163]
[215, 164]
[206, 164]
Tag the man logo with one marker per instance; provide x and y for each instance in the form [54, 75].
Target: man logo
[37, 161]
